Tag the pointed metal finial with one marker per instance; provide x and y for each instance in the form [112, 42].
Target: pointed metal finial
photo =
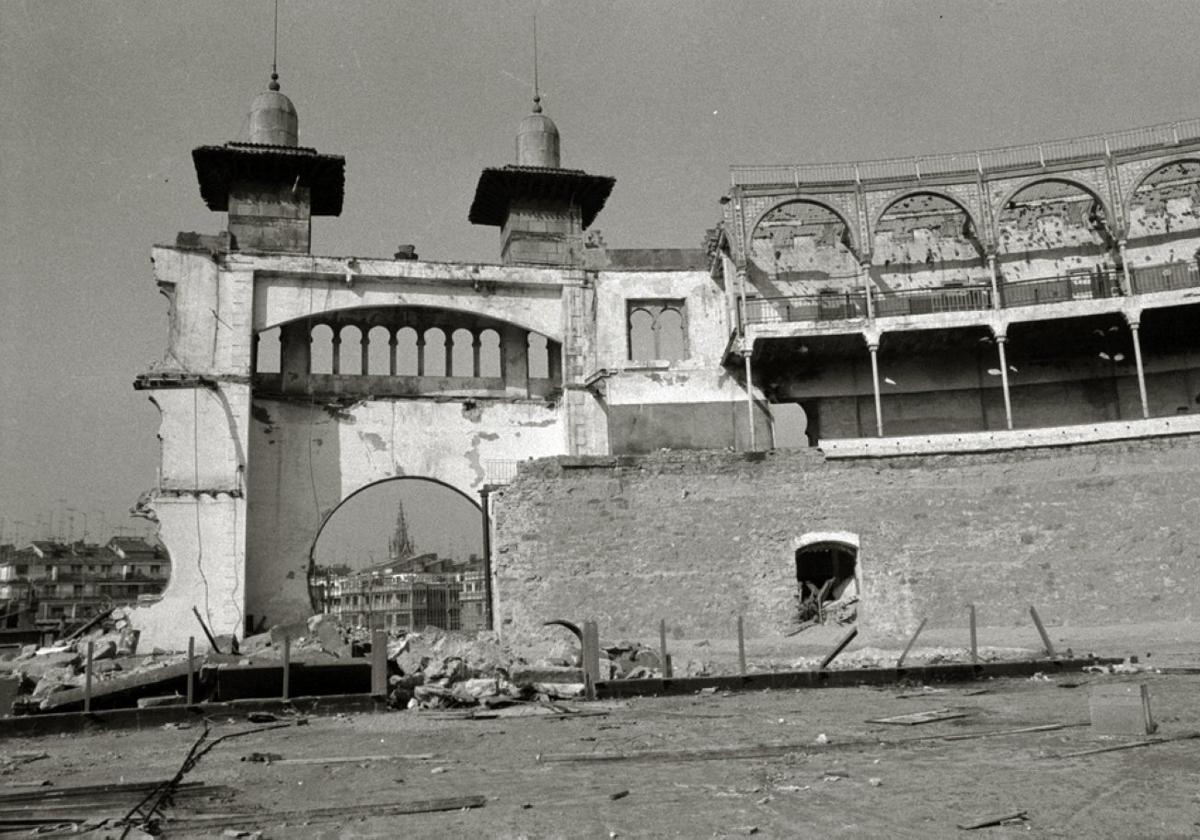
[537, 94]
[274, 85]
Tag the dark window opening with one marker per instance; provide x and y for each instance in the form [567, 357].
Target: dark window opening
[827, 584]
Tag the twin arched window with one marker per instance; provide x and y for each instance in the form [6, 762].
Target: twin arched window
[656, 330]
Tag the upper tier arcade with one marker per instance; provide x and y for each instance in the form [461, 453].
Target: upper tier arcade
[987, 276]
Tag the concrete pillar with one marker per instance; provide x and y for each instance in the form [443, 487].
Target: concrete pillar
[554, 361]
[448, 346]
[995, 285]
[514, 356]
[420, 352]
[475, 346]
[1141, 373]
[295, 351]
[393, 343]
[1001, 340]
[1126, 281]
[365, 343]
[874, 348]
[337, 351]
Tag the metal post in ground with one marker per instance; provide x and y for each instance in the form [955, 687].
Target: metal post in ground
[741, 644]
[379, 675]
[87, 679]
[191, 680]
[662, 647]
[1037, 621]
[591, 658]
[974, 645]
[287, 667]
[911, 642]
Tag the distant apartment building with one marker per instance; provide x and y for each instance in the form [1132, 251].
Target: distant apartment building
[407, 594]
[52, 586]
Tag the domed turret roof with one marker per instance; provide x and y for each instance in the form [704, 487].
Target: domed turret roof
[538, 140]
[273, 118]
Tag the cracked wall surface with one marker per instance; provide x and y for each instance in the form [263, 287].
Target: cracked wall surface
[1092, 534]
[250, 469]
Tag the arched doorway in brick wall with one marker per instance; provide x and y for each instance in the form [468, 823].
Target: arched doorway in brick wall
[828, 578]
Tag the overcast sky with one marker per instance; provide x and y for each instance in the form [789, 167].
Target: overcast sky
[102, 103]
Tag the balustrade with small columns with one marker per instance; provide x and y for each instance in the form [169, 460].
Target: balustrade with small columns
[406, 352]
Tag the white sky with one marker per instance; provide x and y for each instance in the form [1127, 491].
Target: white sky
[103, 101]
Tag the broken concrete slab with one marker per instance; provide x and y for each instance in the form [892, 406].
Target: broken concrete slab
[121, 691]
[531, 674]
[37, 666]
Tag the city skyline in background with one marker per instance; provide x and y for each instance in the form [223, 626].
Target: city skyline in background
[109, 99]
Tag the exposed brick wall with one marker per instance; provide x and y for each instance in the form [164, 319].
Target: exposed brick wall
[1103, 533]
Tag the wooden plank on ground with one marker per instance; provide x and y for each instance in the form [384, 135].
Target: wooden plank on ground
[916, 718]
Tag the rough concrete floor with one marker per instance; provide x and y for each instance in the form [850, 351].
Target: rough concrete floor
[923, 788]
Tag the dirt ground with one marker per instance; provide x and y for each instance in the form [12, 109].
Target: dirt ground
[869, 780]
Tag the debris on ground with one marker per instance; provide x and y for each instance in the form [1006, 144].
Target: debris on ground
[1003, 819]
[917, 718]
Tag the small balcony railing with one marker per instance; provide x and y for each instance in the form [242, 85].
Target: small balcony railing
[1095, 285]
[1165, 278]
[932, 301]
[807, 308]
[1062, 289]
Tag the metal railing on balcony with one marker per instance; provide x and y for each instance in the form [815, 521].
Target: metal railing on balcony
[1164, 135]
[1090, 286]
[807, 308]
[1165, 278]
[847, 306]
[930, 301]
[499, 472]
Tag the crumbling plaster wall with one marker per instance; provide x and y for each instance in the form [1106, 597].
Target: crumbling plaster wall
[694, 402]
[295, 287]
[1091, 534]
[305, 459]
[200, 501]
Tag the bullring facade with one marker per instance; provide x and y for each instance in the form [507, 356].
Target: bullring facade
[990, 302]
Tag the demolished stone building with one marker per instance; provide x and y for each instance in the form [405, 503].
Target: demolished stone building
[955, 378]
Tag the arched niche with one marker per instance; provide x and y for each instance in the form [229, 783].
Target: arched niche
[802, 247]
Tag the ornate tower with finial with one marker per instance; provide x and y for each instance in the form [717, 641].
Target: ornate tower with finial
[540, 208]
[270, 186]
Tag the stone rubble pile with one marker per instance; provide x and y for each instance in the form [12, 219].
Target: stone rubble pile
[39, 672]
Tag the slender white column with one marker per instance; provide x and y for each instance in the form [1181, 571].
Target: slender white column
[1141, 373]
[995, 282]
[1001, 340]
[874, 348]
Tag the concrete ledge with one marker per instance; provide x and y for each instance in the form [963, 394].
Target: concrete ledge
[967, 442]
[64, 722]
[965, 672]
